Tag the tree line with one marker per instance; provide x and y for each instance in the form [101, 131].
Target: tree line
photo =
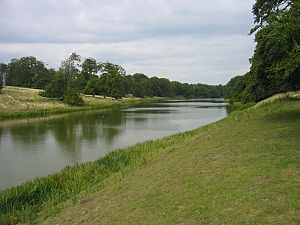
[275, 65]
[76, 75]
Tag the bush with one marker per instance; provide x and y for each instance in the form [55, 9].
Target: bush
[116, 94]
[92, 87]
[55, 89]
[72, 97]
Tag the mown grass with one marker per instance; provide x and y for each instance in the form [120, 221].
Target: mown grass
[240, 106]
[16, 102]
[280, 96]
[23, 202]
[244, 169]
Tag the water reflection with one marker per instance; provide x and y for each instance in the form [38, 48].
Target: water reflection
[38, 148]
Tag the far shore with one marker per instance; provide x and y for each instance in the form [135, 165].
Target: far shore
[20, 103]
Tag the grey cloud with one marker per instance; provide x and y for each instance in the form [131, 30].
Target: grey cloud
[209, 60]
[102, 21]
[190, 41]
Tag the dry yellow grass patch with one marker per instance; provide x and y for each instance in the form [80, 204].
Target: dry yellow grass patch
[97, 99]
[294, 94]
[16, 98]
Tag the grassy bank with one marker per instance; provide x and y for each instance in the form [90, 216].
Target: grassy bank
[244, 169]
[240, 106]
[16, 102]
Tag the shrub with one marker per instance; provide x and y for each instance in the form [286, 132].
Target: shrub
[116, 94]
[55, 89]
[72, 97]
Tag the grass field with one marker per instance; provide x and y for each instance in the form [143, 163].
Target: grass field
[16, 102]
[244, 169]
[17, 98]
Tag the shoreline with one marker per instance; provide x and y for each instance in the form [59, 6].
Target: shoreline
[48, 113]
[51, 122]
[64, 189]
[115, 163]
[20, 103]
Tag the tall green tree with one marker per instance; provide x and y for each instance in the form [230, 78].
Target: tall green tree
[56, 88]
[93, 86]
[264, 9]
[90, 68]
[276, 60]
[66, 85]
[70, 67]
[235, 88]
[275, 65]
[111, 80]
[29, 72]
[72, 95]
[140, 85]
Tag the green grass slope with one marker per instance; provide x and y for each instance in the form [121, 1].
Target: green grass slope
[244, 169]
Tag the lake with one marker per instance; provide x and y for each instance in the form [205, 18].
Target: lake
[39, 147]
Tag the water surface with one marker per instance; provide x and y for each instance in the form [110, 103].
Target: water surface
[36, 148]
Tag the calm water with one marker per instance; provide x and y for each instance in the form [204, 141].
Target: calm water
[37, 148]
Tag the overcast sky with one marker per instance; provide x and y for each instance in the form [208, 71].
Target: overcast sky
[194, 41]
